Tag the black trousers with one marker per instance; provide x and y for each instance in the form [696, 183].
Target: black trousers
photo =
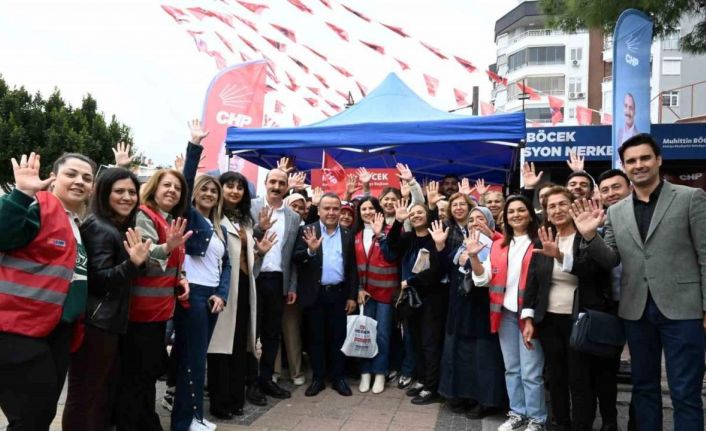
[270, 306]
[143, 361]
[577, 379]
[226, 373]
[326, 325]
[427, 326]
[32, 375]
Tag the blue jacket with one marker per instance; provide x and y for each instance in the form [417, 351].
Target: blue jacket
[202, 230]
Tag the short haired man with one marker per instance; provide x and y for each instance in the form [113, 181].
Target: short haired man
[613, 186]
[580, 184]
[327, 286]
[659, 235]
[449, 185]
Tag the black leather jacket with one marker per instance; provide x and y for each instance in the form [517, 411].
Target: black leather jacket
[110, 275]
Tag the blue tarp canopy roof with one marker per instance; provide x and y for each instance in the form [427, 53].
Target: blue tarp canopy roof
[393, 124]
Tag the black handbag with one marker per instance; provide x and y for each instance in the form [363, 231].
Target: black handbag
[406, 302]
[598, 333]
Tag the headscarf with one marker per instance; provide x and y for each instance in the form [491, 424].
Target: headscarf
[487, 214]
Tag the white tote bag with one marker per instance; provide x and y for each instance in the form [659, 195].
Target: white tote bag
[361, 340]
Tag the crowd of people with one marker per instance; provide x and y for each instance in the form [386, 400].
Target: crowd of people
[476, 300]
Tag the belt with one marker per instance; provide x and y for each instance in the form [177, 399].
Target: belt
[331, 287]
[270, 274]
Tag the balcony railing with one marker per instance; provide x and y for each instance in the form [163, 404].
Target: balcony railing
[540, 32]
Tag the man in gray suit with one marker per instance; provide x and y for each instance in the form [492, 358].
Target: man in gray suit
[659, 235]
[275, 278]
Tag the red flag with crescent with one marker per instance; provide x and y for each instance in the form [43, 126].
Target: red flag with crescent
[432, 84]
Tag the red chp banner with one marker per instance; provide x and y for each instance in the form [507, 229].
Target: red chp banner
[235, 98]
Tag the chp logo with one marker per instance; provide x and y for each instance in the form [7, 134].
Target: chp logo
[632, 44]
[235, 98]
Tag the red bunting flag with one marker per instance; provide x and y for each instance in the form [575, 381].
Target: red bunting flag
[321, 80]
[271, 75]
[279, 46]
[201, 13]
[557, 116]
[584, 116]
[555, 102]
[248, 43]
[314, 90]
[289, 34]
[270, 63]
[220, 60]
[356, 13]
[333, 177]
[432, 84]
[466, 64]
[301, 6]
[402, 64]
[252, 7]
[245, 57]
[311, 101]
[325, 113]
[269, 88]
[326, 3]
[198, 12]
[333, 105]
[300, 64]
[533, 95]
[293, 85]
[225, 42]
[362, 88]
[460, 97]
[176, 13]
[606, 118]
[497, 78]
[486, 108]
[397, 30]
[342, 71]
[339, 31]
[296, 119]
[315, 52]
[342, 94]
[434, 50]
[246, 22]
[377, 48]
[201, 45]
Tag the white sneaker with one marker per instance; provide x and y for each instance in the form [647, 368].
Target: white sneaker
[534, 425]
[364, 383]
[210, 425]
[514, 422]
[379, 384]
[197, 425]
[298, 381]
[275, 378]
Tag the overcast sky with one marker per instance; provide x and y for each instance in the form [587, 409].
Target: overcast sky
[143, 67]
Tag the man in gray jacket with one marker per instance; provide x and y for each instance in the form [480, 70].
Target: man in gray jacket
[659, 236]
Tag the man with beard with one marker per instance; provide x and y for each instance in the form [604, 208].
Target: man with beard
[449, 185]
[274, 279]
[580, 184]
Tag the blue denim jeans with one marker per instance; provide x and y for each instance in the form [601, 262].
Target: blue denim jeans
[194, 327]
[523, 370]
[382, 313]
[409, 360]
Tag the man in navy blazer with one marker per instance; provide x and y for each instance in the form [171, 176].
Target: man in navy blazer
[327, 287]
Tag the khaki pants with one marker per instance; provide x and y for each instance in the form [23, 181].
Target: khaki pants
[292, 337]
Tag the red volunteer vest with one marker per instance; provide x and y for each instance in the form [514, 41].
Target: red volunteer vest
[498, 281]
[35, 279]
[153, 297]
[376, 275]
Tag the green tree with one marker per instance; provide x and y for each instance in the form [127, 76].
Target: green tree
[571, 15]
[52, 127]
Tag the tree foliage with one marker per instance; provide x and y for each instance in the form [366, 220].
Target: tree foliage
[51, 127]
[572, 15]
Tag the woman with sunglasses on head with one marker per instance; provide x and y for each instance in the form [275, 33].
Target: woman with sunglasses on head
[115, 254]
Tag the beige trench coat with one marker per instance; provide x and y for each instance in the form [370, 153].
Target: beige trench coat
[224, 332]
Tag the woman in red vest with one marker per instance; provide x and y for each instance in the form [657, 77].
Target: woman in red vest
[42, 285]
[154, 295]
[505, 272]
[379, 279]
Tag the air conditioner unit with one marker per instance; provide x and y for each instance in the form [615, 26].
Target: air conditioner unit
[575, 62]
[580, 95]
[572, 96]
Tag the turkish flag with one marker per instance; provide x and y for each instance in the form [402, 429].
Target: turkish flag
[175, 13]
[606, 118]
[311, 101]
[342, 71]
[235, 98]
[402, 64]
[334, 176]
[584, 116]
[555, 102]
[322, 80]
[246, 22]
[533, 95]
[432, 84]
[495, 77]
[339, 31]
[296, 120]
[252, 7]
[362, 88]
[277, 45]
[374, 47]
[460, 97]
[317, 53]
[397, 30]
[557, 116]
[289, 34]
[466, 64]
[486, 108]
[435, 51]
[356, 13]
[279, 107]
[301, 6]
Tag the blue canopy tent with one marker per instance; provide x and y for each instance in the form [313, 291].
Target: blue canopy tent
[393, 124]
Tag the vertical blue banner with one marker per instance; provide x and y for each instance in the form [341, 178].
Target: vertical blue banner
[632, 41]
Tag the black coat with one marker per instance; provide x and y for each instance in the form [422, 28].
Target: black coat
[309, 267]
[110, 275]
[594, 285]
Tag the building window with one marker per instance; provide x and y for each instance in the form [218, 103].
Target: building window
[572, 112]
[544, 85]
[671, 41]
[575, 86]
[671, 66]
[540, 55]
[538, 115]
[670, 98]
[576, 54]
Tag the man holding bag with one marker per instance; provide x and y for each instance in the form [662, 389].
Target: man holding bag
[327, 287]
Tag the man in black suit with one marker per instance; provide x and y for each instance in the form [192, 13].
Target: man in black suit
[327, 288]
